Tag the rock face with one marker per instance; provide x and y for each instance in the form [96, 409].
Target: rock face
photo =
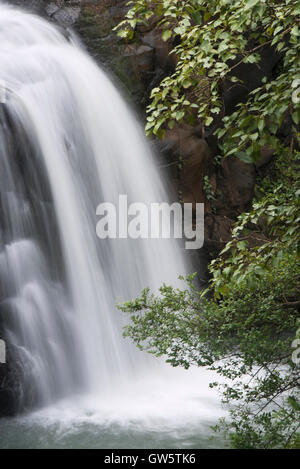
[34, 5]
[12, 376]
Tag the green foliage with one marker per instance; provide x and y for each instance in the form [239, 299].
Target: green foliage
[214, 37]
[271, 228]
[244, 324]
[208, 189]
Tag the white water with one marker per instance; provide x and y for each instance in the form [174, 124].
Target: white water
[68, 142]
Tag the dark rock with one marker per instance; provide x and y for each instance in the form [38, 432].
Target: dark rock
[186, 143]
[267, 154]
[235, 182]
[141, 57]
[251, 75]
[51, 8]
[67, 16]
[163, 59]
[9, 385]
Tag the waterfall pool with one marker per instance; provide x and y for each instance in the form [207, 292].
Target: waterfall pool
[174, 412]
[37, 432]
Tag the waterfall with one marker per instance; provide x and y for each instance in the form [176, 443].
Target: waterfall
[68, 142]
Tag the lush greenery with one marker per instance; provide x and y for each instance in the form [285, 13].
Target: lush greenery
[243, 326]
[245, 323]
[214, 37]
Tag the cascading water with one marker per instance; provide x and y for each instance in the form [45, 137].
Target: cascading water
[68, 142]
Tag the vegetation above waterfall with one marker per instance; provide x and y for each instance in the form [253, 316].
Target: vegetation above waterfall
[211, 40]
[245, 324]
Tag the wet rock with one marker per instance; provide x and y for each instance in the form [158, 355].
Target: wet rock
[186, 143]
[235, 182]
[51, 8]
[251, 76]
[9, 382]
[33, 5]
[217, 232]
[141, 58]
[67, 16]
[162, 49]
[267, 154]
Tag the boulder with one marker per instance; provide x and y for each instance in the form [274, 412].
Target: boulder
[185, 142]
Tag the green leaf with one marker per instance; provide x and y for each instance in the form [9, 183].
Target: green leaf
[166, 34]
[296, 116]
[208, 121]
[243, 157]
[250, 4]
